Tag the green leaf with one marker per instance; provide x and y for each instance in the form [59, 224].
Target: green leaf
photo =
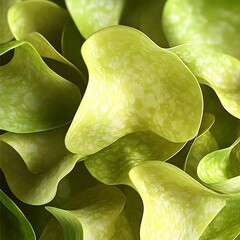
[220, 169]
[23, 107]
[226, 224]
[93, 212]
[93, 15]
[206, 22]
[124, 96]
[221, 72]
[6, 34]
[34, 163]
[112, 164]
[175, 205]
[44, 17]
[203, 144]
[226, 128]
[14, 225]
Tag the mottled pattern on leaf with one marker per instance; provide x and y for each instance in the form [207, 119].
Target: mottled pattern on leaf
[125, 96]
[175, 205]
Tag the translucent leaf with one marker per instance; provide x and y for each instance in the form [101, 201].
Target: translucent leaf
[14, 225]
[220, 169]
[175, 205]
[93, 15]
[34, 163]
[94, 210]
[221, 72]
[112, 164]
[23, 106]
[125, 96]
[206, 22]
[44, 17]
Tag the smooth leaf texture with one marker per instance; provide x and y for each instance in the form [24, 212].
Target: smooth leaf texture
[220, 169]
[123, 96]
[206, 22]
[93, 15]
[44, 17]
[23, 107]
[31, 167]
[46, 51]
[203, 144]
[6, 34]
[175, 205]
[226, 224]
[112, 164]
[94, 210]
[14, 224]
[219, 71]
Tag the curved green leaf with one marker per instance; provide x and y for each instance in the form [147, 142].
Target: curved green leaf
[220, 169]
[6, 34]
[14, 225]
[206, 22]
[203, 144]
[112, 164]
[221, 72]
[226, 224]
[23, 106]
[44, 17]
[94, 210]
[123, 96]
[93, 15]
[175, 205]
[32, 167]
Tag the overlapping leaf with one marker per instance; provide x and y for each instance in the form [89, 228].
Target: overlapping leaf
[123, 96]
[93, 15]
[216, 23]
[14, 224]
[31, 167]
[175, 205]
[23, 106]
[220, 169]
[44, 17]
[112, 164]
[91, 214]
[219, 71]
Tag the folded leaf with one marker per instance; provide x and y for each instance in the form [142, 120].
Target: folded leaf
[91, 214]
[44, 17]
[14, 225]
[93, 15]
[23, 106]
[220, 169]
[6, 34]
[123, 96]
[216, 23]
[175, 205]
[112, 164]
[221, 72]
[34, 163]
